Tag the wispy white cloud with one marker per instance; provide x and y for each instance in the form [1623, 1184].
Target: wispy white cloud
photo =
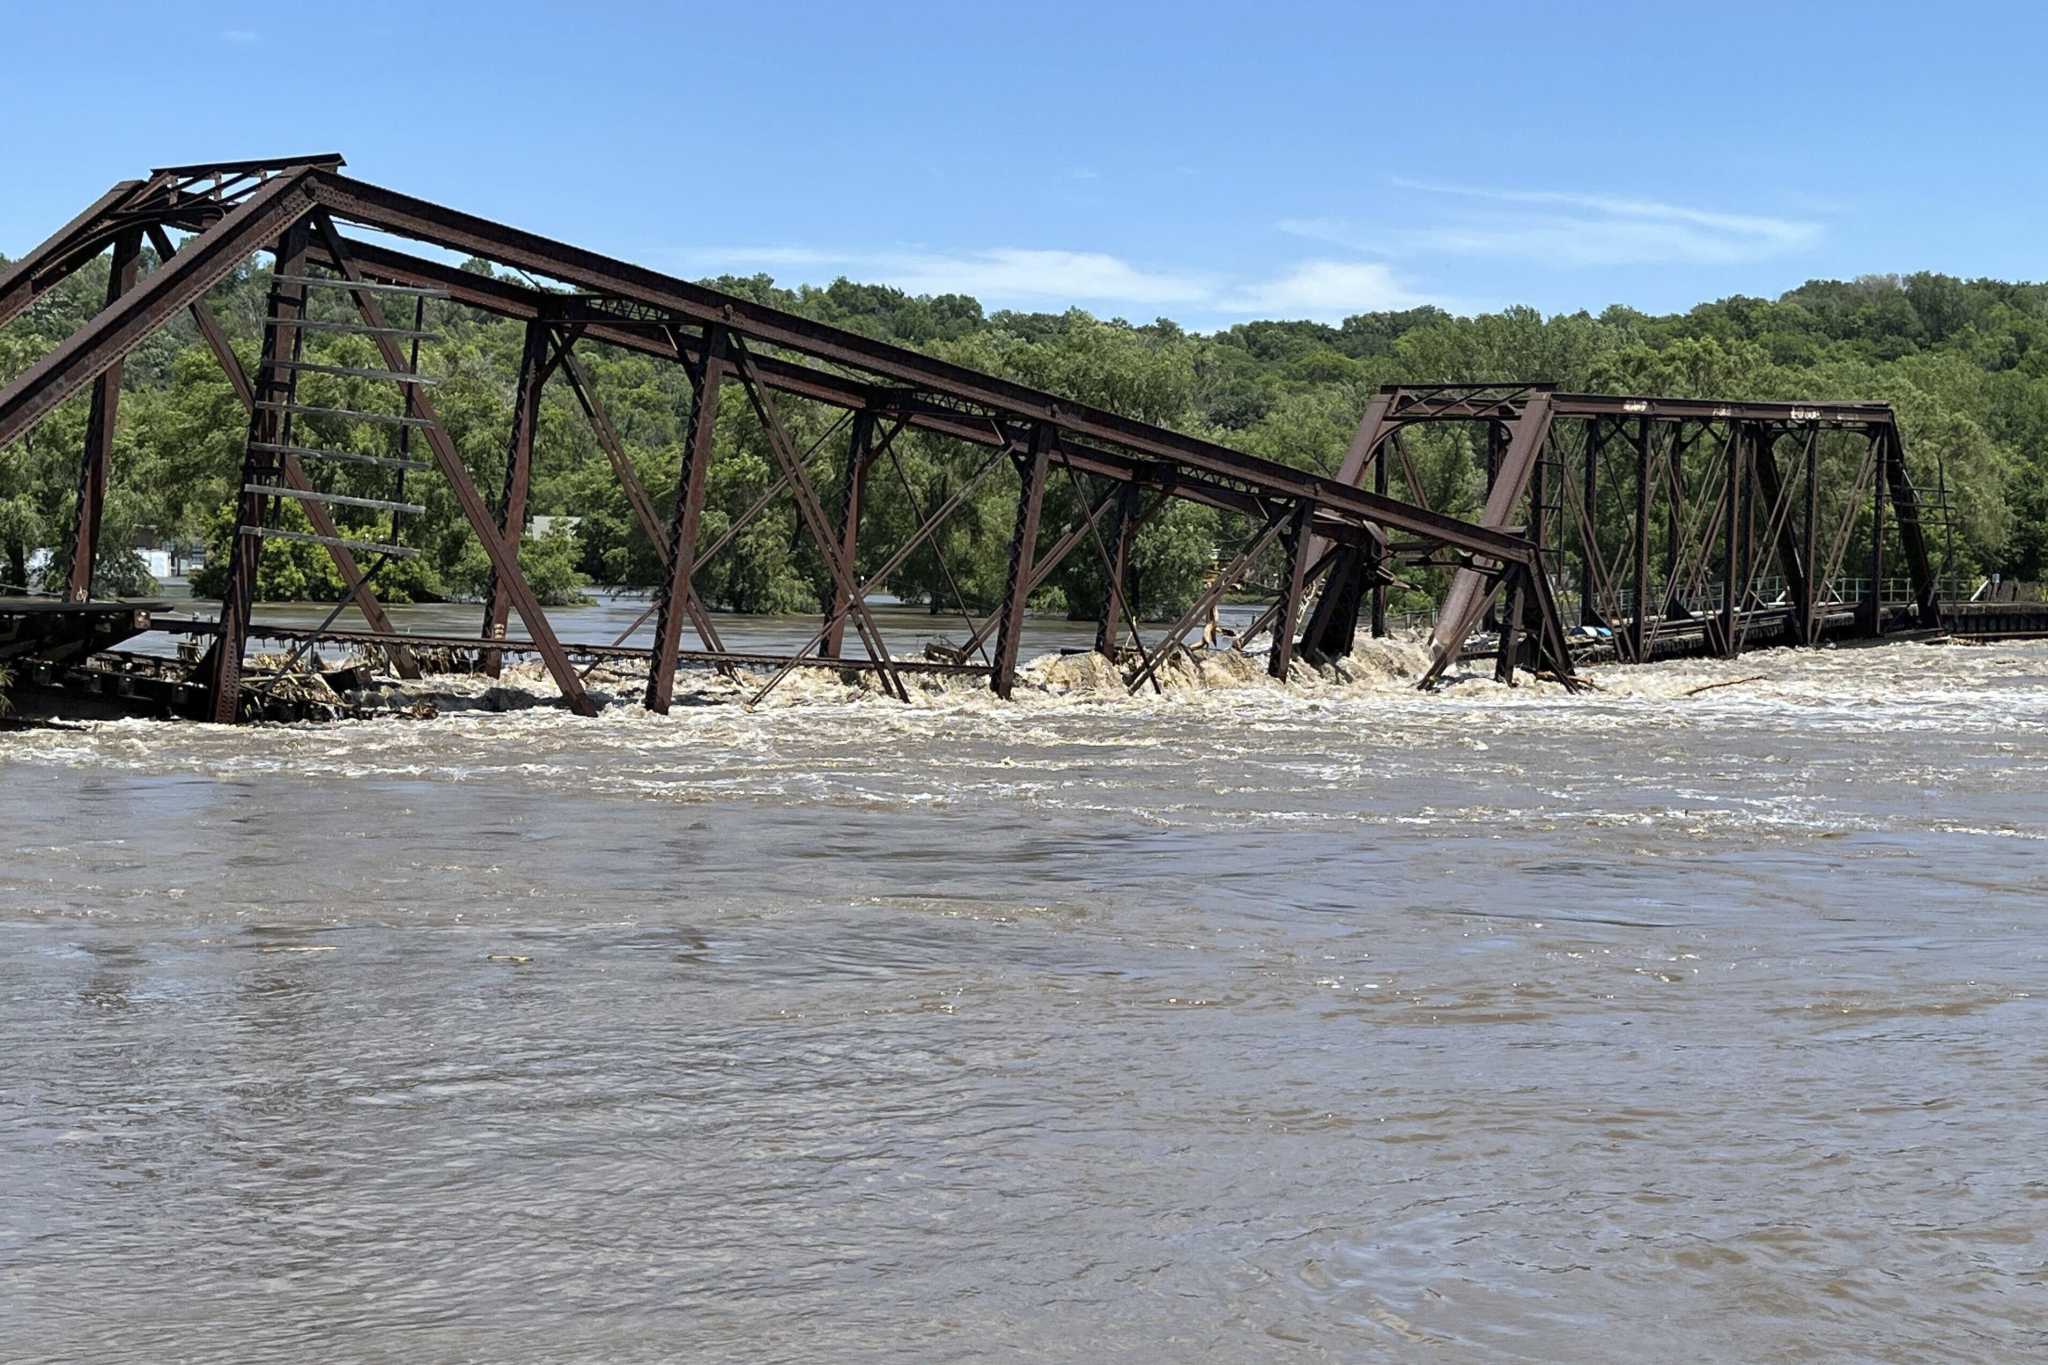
[1566, 228]
[1324, 290]
[241, 37]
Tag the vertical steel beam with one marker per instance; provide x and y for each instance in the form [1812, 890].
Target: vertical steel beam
[859, 451]
[1874, 612]
[1511, 625]
[533, 367]
[1109, 629]
[1031, 469]
[1639, 611]
[1809, 603]
[1596, 435]
[1496, 440]
[682, 542]
[1297, 542]
[99, 434]
[1731, 548]
[1550, 643]
[1912, 536]
[1373, 562]
[273, 384]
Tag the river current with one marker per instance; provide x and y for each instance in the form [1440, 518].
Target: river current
[1326, 1021]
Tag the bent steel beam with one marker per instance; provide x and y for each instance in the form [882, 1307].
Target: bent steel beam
[1337, 533]
[1465, 602]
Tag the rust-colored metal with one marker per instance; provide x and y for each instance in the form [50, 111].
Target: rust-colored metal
[1726, 521]
[99, 434]
[1032, 468]
[1346, 535]
[503, 556]
[534, 364]
[268, 429]
[682, 543]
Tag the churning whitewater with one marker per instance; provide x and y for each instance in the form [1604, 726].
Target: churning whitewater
[1238, 1019]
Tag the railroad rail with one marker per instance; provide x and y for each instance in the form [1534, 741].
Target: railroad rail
[378, 641]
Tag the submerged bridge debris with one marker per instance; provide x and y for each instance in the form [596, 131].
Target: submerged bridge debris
[1707, 483]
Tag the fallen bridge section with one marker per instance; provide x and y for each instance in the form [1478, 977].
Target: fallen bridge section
[54, 631]
[1044, 449]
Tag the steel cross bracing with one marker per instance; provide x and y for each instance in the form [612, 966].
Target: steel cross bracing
[1335, 539]
[1668, 524]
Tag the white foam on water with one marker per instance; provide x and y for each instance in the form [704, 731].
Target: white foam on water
[1719, 746]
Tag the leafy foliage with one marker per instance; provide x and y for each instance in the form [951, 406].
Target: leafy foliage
[1964, 361]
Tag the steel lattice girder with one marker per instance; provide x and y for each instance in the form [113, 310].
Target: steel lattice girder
[235, 209]
[1535, 412]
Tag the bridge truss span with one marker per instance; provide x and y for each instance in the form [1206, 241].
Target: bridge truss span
[1721, 491]
[1669, 525]
[1104, 474]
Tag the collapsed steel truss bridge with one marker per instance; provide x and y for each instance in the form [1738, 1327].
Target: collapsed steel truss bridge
[1339, 541]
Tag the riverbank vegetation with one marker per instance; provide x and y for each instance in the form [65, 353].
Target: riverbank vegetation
[1965, 362]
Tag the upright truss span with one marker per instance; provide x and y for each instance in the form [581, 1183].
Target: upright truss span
[1679, 524]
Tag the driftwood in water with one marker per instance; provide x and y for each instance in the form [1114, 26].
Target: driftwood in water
[1731, 682]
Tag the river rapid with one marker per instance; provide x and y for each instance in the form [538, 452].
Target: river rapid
[1244, 1021]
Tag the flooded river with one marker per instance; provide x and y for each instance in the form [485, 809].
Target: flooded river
[1244, 1022]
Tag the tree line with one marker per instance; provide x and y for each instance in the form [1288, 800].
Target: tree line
[1965, 363]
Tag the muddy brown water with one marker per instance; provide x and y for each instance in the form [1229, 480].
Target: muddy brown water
[1324, 1022]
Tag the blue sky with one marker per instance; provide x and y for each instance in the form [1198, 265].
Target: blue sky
[1209, 164]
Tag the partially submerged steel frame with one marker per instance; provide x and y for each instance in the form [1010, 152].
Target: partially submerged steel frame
[293, 208]
[1729, 507]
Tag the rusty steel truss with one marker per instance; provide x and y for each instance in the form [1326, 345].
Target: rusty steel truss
[1338, 543]
[1712, 496]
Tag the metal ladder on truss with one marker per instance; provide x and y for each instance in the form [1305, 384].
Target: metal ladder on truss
[272, 481]
[277, 469]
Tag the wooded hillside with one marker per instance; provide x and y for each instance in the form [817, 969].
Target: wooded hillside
[1964, 362]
